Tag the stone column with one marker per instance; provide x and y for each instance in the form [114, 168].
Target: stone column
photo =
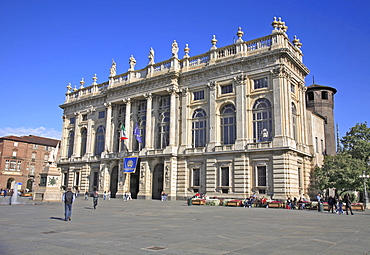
[173, 119]
[211, 120]
[108, 128]
[63, 145]
[241, 111]
[90, 133]
[128, 124]
[149, 129]
[77, 138]
[145, 181]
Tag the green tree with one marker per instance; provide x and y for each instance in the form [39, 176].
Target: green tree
[342, 171]
[357, 141]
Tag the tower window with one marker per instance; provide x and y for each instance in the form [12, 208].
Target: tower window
[324, 95]
[310, 96]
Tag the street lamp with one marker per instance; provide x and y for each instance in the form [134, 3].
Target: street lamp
[365, 177]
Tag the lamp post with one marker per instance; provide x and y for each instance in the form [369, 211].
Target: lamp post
[365, 177]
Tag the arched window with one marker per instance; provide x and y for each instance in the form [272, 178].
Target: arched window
[163, 138]
[70, 142]
[228, 124]
[199, 128]
[141, 122]
[100, 140]
[262, 120]
[83, 141]
[294, 121]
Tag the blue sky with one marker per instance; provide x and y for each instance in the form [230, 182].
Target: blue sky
[45, 44]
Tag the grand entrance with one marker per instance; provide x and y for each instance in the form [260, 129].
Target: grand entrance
[114, 181]
[134, 181]
[10, 183]
[157, 187]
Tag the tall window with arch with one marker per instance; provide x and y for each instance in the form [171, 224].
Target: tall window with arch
[83, 141]
[163, 137]
[70, 142]
[199, 128]
[294, 121]
[141, 122]
[99, 140]
[228, 124]
[262, 120]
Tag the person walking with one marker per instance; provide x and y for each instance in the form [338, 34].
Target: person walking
[109, 194]
[340, 205]
[68, 198]
[348, 202]
[86, 195]
[11, 193]
[95, 199]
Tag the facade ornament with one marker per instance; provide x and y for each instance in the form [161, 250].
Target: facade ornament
[108, 104]
[132, 62]
[151, 56]
[240, 33]
[240, 79]
[279, 25]
[214, 42]
[172, 90]
[186, 50]
[279, 72]
[184, 91]
[296, 42]
[275, 24]
[82, 82]
[69, 88]
[211, 85]
[167, 176]
[94, 80]
[113, 69]
[127, 100]
[175, 49]
[75, 88]
[148, 96]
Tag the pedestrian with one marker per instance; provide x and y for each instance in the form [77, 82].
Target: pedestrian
[5, 192]
[109, 194]
[95, 199]
[11, 192]
[86, 195]
[68, 198]
[129, 196]
[125, 196]
[340, 205]
[163, 196]
[348, 202]
[105, 195]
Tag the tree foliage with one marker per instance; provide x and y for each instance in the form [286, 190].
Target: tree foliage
[342, 171]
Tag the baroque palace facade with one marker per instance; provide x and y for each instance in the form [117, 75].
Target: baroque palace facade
[230, 122]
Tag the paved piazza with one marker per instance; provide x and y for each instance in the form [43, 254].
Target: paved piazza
[172, 227]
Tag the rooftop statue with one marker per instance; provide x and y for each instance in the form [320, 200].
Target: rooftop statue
[113, 69]
[132, 62]
[151, 56]
[175, 49]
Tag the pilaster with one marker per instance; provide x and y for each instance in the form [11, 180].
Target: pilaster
[211, 116]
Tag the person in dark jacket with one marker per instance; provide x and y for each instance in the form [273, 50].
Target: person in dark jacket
[68, 198]
[348, 202]
[95, 199]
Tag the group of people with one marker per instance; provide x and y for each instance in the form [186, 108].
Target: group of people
[107, 195]
[335, 204]
[254, 200]
[8, 192]
[295, 203]
[69, 197]
[127, 196]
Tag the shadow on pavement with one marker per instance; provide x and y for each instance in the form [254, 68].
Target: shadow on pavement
[56, 218]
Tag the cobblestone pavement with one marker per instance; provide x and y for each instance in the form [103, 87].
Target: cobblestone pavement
[172, 227]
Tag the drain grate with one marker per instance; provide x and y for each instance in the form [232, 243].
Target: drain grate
[155, 248]
[49, 232]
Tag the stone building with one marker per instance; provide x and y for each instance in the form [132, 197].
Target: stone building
[22, 159]
[230, 122]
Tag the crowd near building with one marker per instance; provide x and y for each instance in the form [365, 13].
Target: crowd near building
[231, 122]
[22, 159]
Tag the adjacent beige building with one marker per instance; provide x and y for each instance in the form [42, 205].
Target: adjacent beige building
[230, 122]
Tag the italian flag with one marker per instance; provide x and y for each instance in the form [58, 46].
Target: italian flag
[123, 133]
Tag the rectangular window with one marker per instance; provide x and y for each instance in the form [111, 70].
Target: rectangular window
[292, 88]
[14, 153]
[33, 156]
[84, 117]
[77, 178]
[225, 176]
[13, 165]
[261, 176]
[43, 181]
[311, 96]
[35, 146]
[65, 179]
[72, 121]
[96, 179]
[198, 95]
[322, 147]
[7, 164]
[317, 144]
[46, 157]
[196, 177]
[15, 144]
[299, 178]
[101, 115]
[324, 95]
[260, 83]
[19, 163]
[227, 89]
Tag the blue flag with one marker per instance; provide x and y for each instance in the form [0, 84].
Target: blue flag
[137, 133]
[129, 164]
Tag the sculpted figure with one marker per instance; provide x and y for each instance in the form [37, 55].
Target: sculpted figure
[132, 62]
[175, 49]
[151, 56]
[113, 69]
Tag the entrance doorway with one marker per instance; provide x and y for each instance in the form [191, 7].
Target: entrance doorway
[114, 181]
[10, 183]
[157, 187]
[134, 181]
